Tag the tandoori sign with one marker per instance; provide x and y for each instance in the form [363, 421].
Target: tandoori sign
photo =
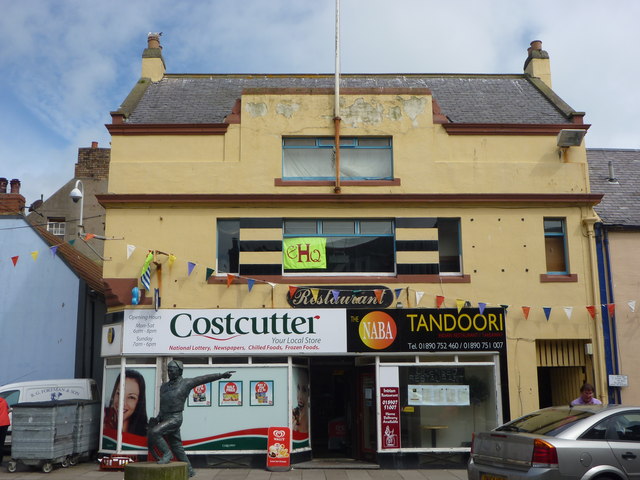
[426, 330]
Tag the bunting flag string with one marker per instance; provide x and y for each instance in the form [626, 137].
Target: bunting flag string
[440, 300]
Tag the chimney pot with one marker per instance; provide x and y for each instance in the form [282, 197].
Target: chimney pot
[94, 144]
[536, 45]
[153, 40]
[3, 185]
[15, 186]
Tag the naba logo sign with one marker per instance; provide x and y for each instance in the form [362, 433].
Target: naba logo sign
[377, 330]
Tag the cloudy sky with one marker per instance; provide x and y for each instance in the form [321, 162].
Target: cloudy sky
[66, 64]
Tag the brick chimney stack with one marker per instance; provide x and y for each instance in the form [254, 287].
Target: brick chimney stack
[153, 66]
[11, 203]
[93, 162]
[538, 64]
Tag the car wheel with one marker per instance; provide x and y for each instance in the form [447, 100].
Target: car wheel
[47, 467]
[12, 466]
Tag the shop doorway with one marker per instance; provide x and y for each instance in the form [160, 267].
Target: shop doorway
[343, 409]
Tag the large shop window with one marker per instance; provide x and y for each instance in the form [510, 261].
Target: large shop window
[339, 246]
[441, 406]
[555, 244]
[361, 158]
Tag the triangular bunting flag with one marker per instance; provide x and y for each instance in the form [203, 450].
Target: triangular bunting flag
[378, 293]
[398, 291]
[568, 311]
[611, 308]
[34, 255]
[314, 293]
[190, 267]
[592, 311]
[250, 283]
[292, 291]
[632, 305]
[439, 301]
[130, 250]
[336, 294]
[506, 308]
[172, 259]
[525, 311]
[230, 278]
[15, 260]
[481, 307]
[419, 297]
[54, 250]
[547, 312]
[89, 236]
[210, 271]
[71, 242]
[147, 262]
[459, 304]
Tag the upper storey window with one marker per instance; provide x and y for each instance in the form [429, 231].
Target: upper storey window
[314, 158]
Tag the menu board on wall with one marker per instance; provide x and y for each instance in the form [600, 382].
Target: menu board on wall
[439, 395]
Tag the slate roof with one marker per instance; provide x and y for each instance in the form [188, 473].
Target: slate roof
[621, 203]
[493, 99]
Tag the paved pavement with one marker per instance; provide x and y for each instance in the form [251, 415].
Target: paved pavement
[91, 471]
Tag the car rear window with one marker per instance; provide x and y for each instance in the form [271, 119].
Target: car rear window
[550, 421]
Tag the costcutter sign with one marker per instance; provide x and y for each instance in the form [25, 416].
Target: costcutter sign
[234, 331]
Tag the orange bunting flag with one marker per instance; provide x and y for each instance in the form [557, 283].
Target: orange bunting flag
[230, 279]
[15, 260]
[525, 311]
[89, 236]
[592, 310]
[292, 291]
[439, 301]
[378, 293]
[611, 308]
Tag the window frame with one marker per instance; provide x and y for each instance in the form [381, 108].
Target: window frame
[346, 144]
[548, 235]
[57, 226]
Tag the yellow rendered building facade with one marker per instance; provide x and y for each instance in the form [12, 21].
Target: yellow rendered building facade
[453, 254]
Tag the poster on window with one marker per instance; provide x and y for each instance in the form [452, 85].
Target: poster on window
[439, 395]
[303, 253]
[261, 393]
[200, 396]
[229, 394]
[137, 407]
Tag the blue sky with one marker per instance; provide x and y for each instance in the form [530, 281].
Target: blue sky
[66, 64]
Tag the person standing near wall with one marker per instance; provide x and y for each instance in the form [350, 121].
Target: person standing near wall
[586, 396]
[4, 424]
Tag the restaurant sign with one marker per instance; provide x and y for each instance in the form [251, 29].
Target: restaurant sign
[350, 296]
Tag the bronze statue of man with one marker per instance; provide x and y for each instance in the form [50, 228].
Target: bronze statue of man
[164, 430]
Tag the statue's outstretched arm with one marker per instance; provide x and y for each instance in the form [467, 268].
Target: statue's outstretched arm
[193, 382]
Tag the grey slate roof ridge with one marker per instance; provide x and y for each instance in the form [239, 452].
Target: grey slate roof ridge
[464, 98]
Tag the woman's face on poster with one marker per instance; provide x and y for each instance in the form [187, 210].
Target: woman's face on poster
[132, 394]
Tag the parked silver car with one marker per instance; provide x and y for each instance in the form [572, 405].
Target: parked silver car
[561, 443]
